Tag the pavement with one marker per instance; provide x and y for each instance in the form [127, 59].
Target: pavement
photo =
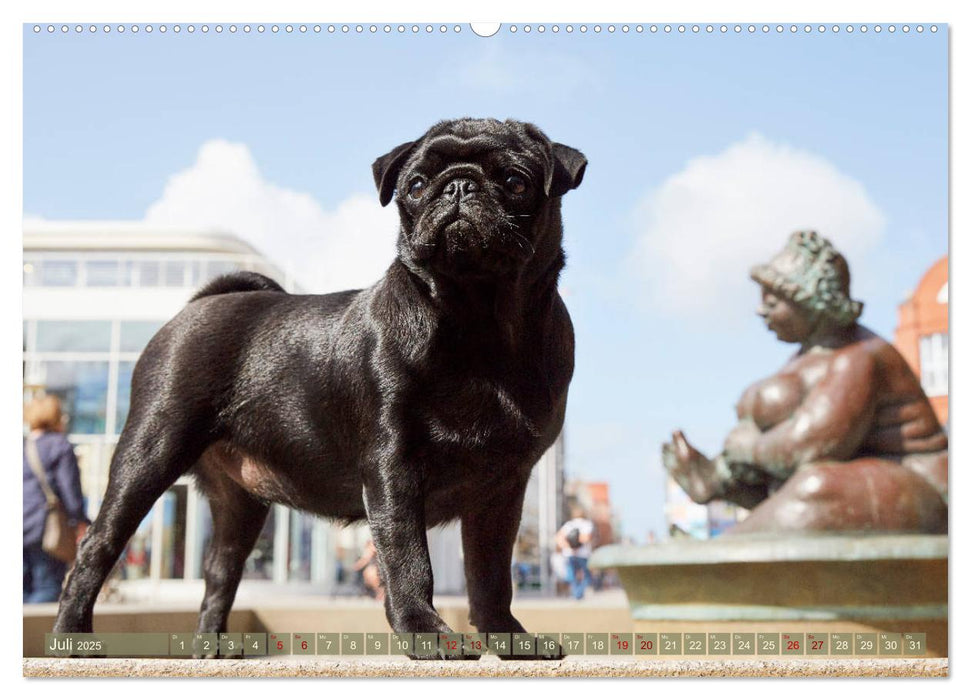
[487, 667]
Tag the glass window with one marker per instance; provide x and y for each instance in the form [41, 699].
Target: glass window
[102, 273]
[127, 273]
[933, 364]
[203, 530]
[173, 532]
[173, 273]
[259, 565]
[193, 271]
[149, 273]
[58, 273]
[136, 334]
[123, 402]
[138, 553]
[93, 456]
[31, 277]
[301, 541]
[73, 336]
[83, 389]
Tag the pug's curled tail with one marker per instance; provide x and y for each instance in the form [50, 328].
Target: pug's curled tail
[238, 282]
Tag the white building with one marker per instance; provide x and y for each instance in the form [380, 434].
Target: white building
[542, 516]
[94, 294]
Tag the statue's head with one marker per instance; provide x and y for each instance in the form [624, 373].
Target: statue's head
[812, 274]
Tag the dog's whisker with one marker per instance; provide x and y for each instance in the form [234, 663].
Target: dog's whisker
[520, 238]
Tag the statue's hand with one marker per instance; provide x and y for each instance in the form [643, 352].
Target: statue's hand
[692, 471]
[740, 443]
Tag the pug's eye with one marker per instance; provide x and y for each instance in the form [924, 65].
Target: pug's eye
[515, 184]
[417, 188]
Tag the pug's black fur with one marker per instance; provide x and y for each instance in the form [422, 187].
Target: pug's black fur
[425, 398]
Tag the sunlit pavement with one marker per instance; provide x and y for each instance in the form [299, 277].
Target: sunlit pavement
[487, 667]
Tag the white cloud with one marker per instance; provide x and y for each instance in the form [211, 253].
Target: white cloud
[348, 247]
[705, 226]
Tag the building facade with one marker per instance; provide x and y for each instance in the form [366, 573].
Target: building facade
[922, 335]
[94, 294]
[541, 518]
[593, 498]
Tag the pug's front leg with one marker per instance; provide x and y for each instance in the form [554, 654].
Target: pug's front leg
[488, 539]
[396, 514]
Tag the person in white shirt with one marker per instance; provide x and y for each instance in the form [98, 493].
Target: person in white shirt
[575, 540]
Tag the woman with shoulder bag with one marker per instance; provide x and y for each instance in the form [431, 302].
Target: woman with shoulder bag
[54, 517]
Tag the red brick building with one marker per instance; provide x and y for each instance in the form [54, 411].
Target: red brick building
[922, 335]
[594, 498]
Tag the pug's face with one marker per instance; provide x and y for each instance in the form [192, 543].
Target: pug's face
[474, 194]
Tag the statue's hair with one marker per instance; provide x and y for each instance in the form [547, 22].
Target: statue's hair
[819, 280]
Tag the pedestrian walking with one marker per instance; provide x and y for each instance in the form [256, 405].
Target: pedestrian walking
[575, 540]
[54, 517]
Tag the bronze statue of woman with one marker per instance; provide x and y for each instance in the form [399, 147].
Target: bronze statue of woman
[842, 437]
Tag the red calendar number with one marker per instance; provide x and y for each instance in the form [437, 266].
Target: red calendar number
[792, 645]
[303, 645]
[452, 645]
[817, 644]
[646, 644]
[279, 645]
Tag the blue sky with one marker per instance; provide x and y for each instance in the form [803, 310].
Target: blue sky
[705, 152]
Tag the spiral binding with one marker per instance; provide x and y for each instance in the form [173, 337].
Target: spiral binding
[379, 29]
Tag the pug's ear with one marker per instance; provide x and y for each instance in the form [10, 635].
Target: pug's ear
[568, 168]
[386, 169]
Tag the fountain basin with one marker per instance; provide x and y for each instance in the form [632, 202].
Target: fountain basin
[820, 583]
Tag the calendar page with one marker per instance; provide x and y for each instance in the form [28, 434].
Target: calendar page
[514, 349]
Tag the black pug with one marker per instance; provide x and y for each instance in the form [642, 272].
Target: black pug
[425, 398]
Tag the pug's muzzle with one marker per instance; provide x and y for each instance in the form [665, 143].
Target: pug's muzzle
[461, 221]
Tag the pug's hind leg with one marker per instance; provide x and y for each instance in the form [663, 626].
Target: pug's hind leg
[237, 520]
[147, 461]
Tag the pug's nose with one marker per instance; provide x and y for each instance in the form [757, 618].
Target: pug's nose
[460, 189]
